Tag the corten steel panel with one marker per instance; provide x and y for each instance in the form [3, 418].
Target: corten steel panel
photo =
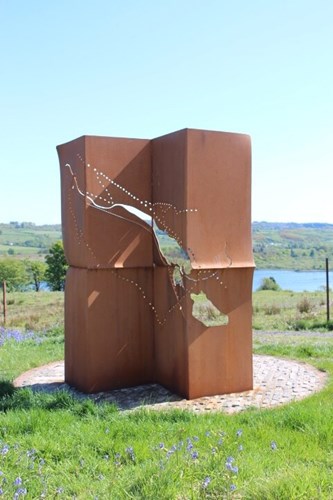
[220, 358]
[109, 329]
[201, 193]
[219, 186]
[195, 360]
[205, 179]
[170, 339]
[101, 175]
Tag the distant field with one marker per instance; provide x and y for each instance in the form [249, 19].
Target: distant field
[23, 240]
[275, 245]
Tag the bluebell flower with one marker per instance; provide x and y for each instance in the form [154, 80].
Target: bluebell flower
[18, 481]
[189, 446]
[161, 446]
[20, 492]
[273, 445]
[229, 466]
[130, 452]
[195, 455]
[206, 482]
[233, 487]
[4, 450]
[239, 433]
[195, 438]
[171, 451]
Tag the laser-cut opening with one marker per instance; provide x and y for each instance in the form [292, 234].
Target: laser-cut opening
[206, 312]
[172, 250]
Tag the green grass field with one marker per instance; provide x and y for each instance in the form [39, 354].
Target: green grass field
[53, 445]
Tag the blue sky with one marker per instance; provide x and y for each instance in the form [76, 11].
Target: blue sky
[144, 68]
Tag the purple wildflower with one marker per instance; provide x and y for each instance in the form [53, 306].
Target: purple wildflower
[232, 468]
[239, 433]
[18, 481]
[206, 482]
[233, 487]
[180, 445]
[5, 449]
[195, 438]
[171, 451]
[20, 492]
[273, 445]
[130, 452]
[117, 458]
[161, 446]
[194, 455]
[229, 466]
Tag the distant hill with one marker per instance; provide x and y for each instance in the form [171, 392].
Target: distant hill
[290, 245]
[290, 225]
[276, 245]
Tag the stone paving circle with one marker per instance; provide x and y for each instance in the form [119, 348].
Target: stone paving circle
[276, 381]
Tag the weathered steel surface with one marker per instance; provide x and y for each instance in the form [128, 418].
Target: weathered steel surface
[128, 318]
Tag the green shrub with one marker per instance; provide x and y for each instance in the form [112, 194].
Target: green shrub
[271, 310]
[269, 284]
[304, 306]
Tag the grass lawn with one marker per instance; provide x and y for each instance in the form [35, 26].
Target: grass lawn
[54, 445]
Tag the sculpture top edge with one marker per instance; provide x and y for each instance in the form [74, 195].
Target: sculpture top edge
[186, 129]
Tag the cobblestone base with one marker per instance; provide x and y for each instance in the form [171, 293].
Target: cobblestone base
[276, 382]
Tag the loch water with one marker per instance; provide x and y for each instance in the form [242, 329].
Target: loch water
[296, 281]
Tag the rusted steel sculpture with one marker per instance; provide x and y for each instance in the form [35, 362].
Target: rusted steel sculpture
[134, 314]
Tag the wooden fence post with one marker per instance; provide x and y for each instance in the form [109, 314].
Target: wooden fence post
[4, 301]
[327, 292]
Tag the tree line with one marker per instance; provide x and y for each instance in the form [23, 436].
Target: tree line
[22, 274]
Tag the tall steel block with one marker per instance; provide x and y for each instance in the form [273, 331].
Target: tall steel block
[131, 310]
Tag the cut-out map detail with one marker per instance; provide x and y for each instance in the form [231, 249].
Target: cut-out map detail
[169, 247]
